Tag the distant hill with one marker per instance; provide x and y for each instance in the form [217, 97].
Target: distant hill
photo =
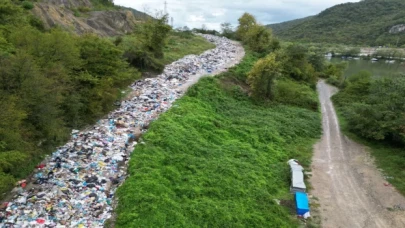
[280, 27]
[368, 22]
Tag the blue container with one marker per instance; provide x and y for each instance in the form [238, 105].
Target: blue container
[301, 202]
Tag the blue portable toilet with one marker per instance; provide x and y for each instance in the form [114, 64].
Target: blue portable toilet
[301, 202]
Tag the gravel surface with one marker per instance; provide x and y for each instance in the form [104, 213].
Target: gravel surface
[352, 192]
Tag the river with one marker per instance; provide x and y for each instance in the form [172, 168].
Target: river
[378, 69]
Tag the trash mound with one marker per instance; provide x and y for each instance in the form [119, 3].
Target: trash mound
[75, 186]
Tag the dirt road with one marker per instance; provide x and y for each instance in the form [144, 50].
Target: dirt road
[351, 191]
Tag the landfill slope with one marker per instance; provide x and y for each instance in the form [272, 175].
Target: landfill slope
[75, 186]
[352, 192]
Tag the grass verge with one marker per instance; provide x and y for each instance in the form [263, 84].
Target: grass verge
[178, 46]
[216, 159]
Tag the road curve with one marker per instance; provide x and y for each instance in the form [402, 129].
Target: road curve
[351, 190]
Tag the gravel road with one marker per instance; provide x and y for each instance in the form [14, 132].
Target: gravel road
[352, 192]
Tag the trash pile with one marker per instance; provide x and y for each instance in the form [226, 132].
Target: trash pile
[75, 186]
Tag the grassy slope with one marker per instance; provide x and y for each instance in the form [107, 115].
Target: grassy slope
[178, 46]
[216, 160]
[363, 23]
[389, 158]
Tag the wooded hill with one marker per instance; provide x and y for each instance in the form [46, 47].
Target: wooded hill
[368, 22]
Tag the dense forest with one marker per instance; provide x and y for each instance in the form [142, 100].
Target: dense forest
[52, 81]
[365, 23]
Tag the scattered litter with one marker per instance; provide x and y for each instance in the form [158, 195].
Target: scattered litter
[75, 186]
[307, 215]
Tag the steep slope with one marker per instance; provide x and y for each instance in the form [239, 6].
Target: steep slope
[82, 16]
[369, 22]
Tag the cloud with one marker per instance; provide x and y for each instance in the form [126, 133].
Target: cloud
[194, 13]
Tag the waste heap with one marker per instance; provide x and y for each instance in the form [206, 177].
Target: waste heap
[75, 186]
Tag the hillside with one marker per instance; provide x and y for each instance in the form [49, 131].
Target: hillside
[369, 22]
[280, 27]
[85, 16]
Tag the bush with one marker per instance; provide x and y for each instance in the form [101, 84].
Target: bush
[83, 9]
[36, 22]
[7, 182]
[27, 5]
[293, 93]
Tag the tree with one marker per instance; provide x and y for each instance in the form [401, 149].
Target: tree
[155, 32]
[246, 22]
[204, 27]
[262, 76]
[258, 38]
[227, 30]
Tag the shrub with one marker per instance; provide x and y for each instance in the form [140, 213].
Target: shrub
[293, 93]
[27, 5]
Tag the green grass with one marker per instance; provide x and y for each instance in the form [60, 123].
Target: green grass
[389, 158]
[216, 159]
[178, 46]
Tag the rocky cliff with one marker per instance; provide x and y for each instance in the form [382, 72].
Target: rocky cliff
[79, 16]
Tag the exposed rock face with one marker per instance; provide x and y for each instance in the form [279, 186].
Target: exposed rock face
[397, 29]
[69, 3]
[103, 23]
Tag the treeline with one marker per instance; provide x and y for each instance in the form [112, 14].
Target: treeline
[374, 107]
[54, 81]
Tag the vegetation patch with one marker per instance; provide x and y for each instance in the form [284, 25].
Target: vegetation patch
[217, 159]
[53, 81]
[180, 44]
[372, 112]
[367, 22]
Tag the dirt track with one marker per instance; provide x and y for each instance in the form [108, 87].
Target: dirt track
[352, 192]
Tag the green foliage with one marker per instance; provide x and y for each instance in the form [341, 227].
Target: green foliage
[178, 45]
[296, 64]
[241, 71]
[27, 5]
[154, 33]
[184, 43]
[363, 23]
[246, 21]
[7, 182]
[257, 37]
[53, 81]
[334, 74]
[388, 152]
[374, 109]
[103, 5]
[297, 94]
[227, 30]
[262, 77]
[214, 160]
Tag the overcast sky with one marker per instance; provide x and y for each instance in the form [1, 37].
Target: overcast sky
[194, 13]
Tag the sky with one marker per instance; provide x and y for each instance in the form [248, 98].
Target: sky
[195, 13]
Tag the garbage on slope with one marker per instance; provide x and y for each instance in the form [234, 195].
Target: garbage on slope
[75, 186]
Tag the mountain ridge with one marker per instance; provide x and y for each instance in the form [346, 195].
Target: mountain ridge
[367, 22]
